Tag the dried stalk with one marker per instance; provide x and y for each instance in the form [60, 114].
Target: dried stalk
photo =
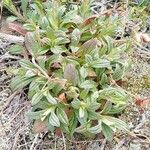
[12, 38]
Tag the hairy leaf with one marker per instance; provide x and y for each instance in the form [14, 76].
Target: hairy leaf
[19, 82]
[36, 98]
[107, 131]
[88, 84]
[62, 116]
[15, 49]
[53, 120]
[50, 99]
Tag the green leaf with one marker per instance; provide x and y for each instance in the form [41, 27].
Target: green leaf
[29, 27]
[96, 129]
[116, 109]
[88, 59]
[99, 72]
[58, 49]
[94, 96]
[31, 44]
[74, 49]
[50, 98]
[62, 40]
[37, 97]
[82, 115]
[30, 73]
[51, 60]
[47, 112]
[57, 89]
[11, 7]
[44, 105]
[107, 107]
[115, 95]
[15, 49]
[24, 4]
[76, 103]
[18, 82]
[26, 64]
[38, 6]
[101, 63]
[81, 129]
[62, 116]
[107, 131]
[75, 37]
[118, 72]
[72, 123]
[84, 93]
[34, 86]
[109, 43]
[142, 3]
[115, 122]
[11, 19]
[104, 79]
[93, 106]
[35, 115]
[83, 72]
[88, 84]
[44, 22]
[86, 36]
[84, 9]
[53, 120]
[81, 112]
[72, 92]
[50, 127]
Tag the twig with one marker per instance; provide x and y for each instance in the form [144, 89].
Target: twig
[143, 120]
[135, 135]
[143, 51]
[56, 80]
[55, 143]
[16, 139]
[86, 141]
[64, 141]
[1, 9]
[8, 100]
[42, 71]
[103, 144]
[15, 115]
[119, 145]
[6, 56]
[21, 145]
[34, 142]
[142, 135]
[12, 38]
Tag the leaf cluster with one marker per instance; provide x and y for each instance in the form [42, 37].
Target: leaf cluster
[74, 60]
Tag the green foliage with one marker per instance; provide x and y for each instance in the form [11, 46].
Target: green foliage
[74, 58]
[15, 49]
[140, 12]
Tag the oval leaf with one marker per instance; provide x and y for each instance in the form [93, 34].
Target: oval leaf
[107, 131]
[50, 98]
[36, 98]
[62, 116]
[53, 120]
